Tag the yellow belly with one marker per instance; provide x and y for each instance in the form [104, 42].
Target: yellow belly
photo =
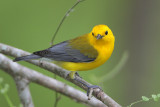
[103, 56]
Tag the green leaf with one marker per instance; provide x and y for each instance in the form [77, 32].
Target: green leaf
[144, 98]
[158, 95]
[155, 97]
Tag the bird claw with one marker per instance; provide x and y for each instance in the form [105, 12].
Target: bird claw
[92, 87]
[89, 88]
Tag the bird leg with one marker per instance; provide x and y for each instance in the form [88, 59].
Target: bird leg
[89, 87]
[74, 75]
[77, 74]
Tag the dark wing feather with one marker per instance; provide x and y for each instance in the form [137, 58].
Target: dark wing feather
[65, 52]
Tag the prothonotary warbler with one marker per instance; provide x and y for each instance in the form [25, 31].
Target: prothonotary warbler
[82, 53]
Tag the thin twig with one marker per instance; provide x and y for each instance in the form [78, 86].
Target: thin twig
[64, 17]
[57, 96]
[57, 99]
[10, 104]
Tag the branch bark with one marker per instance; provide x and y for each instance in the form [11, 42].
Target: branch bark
[99, 94]
[23, 90]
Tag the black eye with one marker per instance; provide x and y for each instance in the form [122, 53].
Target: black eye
[92, 33]
[106, 32]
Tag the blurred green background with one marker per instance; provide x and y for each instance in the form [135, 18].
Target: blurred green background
[30, 25]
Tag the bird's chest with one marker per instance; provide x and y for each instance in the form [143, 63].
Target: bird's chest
[104, 53]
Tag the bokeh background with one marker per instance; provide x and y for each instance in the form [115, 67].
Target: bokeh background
[30, 25]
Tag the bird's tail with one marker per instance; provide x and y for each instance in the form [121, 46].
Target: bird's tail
[32, 56]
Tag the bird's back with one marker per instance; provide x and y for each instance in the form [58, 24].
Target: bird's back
[75, 50]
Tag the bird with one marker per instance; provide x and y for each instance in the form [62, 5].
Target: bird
[82, 53]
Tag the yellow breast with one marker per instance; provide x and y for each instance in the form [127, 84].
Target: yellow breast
[104, 52]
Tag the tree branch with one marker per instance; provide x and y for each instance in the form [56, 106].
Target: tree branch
[23, 75]
[23, 91]
[99, 94]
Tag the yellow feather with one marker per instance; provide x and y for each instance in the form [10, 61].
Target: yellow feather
[83, 45]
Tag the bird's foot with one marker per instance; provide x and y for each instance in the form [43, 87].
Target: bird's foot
[77, 74]
[73, 75]
[89, 87]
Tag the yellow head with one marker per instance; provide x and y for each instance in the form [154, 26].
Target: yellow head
[101, 33]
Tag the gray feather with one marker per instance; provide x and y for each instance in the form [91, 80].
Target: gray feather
[32, 56]
[64, 52]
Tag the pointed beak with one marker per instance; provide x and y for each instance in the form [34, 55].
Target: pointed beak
[99, 36]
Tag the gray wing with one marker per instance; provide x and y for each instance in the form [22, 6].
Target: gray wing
[64, 52]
